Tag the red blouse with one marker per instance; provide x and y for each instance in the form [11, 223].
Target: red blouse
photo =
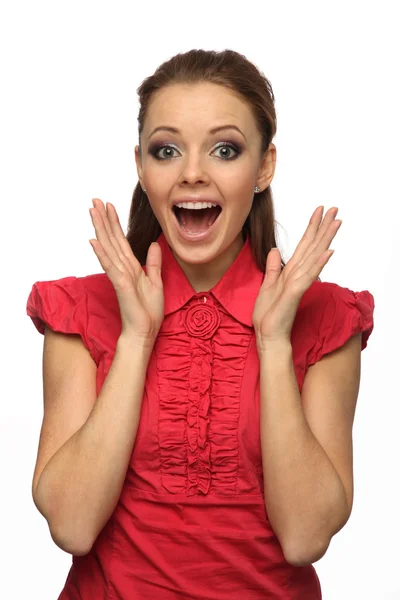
[191, 520]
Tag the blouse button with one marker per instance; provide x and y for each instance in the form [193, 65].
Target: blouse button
[202, 320]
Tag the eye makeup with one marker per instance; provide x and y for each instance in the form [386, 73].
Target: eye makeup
[155, 148]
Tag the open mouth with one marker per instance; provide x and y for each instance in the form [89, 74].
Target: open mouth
[197, 220]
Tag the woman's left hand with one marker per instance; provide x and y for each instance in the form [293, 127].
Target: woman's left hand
[281, 291]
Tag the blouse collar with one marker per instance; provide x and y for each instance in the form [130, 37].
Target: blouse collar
[237, 290]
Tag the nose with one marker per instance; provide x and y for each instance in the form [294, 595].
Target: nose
[193, 171]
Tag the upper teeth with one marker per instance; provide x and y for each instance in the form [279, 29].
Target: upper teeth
[195, 205]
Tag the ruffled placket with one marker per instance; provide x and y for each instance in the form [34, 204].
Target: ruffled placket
[202, 320]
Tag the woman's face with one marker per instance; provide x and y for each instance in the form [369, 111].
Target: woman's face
[195, 164]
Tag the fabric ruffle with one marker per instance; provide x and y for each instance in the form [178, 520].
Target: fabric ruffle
[199, 391]
[344, 314]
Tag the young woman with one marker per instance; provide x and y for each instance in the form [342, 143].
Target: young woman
[199, 393]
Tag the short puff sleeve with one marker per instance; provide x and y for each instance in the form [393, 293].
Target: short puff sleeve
[62, 305]
[343, 314]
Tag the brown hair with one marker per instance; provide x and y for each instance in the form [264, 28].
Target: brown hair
[233, 71]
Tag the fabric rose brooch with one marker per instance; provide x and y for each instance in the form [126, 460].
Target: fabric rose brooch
[202, 320]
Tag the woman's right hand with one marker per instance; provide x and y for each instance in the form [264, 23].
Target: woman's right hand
[140, 295]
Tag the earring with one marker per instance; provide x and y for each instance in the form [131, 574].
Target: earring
[144, 190]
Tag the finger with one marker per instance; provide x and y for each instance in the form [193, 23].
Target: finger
[305, 241]
[108, 265]
[313, 234]
[114, 233]
[274, 263]
[99, 205]
[316, 269]
[103, 238]
[126, 253]
[273, 267]
[153, 263]
[314, 255]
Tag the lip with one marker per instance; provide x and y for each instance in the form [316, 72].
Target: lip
[200, 236]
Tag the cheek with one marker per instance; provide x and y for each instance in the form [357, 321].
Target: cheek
[156, 206]
[239, 179]
[159, 176]
[159, 184]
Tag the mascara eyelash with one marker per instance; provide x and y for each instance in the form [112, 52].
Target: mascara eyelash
[153, 150]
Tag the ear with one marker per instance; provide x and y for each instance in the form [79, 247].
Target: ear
[267, 168]
[139, 169]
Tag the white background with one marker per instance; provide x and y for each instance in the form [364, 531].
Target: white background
[69, 73]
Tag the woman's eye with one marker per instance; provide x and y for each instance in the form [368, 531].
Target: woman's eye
[227, 147]
[159, 151]
[155, 152]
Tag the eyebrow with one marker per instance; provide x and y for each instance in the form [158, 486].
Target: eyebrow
[212, 131]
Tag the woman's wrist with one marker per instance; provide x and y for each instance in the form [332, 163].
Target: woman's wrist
[266, 345]
[134, 343]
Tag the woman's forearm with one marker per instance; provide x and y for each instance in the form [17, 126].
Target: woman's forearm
[81, 484]
[304, 495]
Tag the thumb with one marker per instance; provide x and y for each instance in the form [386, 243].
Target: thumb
[153, 262]
[273, 265]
